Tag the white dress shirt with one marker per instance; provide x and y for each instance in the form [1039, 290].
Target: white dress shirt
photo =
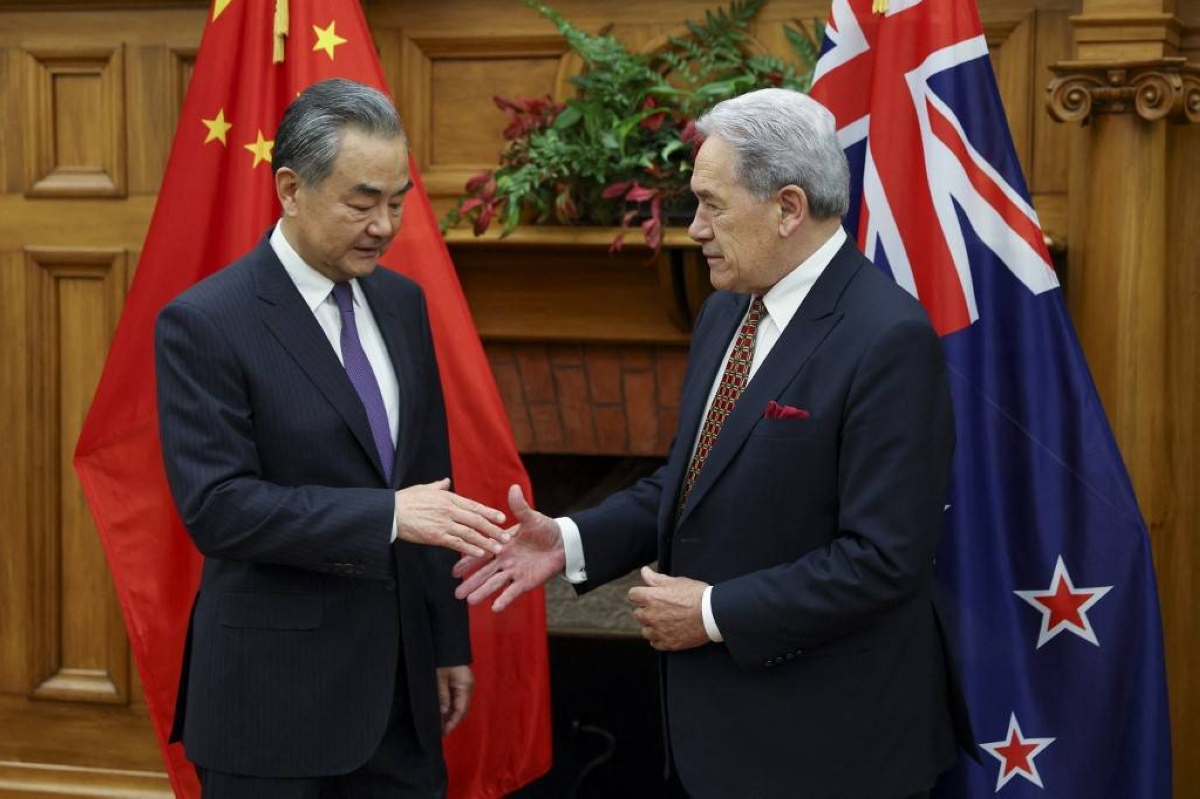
[781, 303]
[317, 291]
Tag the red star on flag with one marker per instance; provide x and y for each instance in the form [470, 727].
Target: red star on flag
[1016, 754]
[1064, 607]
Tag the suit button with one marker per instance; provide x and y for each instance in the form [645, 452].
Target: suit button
[790, 656]
[359, 569]
[799, 651]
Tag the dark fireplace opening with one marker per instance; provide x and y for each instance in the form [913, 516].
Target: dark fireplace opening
[603, 675]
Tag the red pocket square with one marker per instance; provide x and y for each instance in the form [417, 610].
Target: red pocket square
[776, 411]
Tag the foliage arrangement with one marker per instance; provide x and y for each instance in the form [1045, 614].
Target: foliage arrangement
[622, 149]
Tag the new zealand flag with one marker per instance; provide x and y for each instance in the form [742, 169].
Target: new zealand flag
[1045, 561]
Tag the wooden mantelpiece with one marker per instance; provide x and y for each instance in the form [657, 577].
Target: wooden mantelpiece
[562, 284]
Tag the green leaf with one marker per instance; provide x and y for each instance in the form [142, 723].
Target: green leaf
[569, 116]
[673, 146]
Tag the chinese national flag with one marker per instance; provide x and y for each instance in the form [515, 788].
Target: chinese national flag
[216, 202]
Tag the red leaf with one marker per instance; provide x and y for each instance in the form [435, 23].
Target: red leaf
[470, 205]
[503, 104]
[478, 180]
[640, 194]
[615, 190]
[653, 122]
[484, 219]
[652, 230]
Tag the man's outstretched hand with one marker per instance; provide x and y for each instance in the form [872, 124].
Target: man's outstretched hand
[529, 559]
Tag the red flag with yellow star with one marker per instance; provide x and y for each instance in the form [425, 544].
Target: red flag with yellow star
[216, 202]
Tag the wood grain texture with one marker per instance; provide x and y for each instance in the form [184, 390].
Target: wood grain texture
[80, 651]
[16, 634]
[75, 106]
[1176, 552]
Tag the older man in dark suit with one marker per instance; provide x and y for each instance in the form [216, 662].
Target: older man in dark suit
[306, 447]
[796, 518]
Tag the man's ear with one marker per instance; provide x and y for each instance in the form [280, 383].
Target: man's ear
[287, 184]
[793, 209]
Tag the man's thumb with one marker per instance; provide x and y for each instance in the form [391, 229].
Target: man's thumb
[651, 577]
[516, 501]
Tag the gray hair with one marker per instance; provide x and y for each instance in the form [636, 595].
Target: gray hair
[310, 133]
[783, 137]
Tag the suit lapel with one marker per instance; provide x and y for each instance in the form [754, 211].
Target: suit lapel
[815, 318]
[709, 357]
[292, 323]
[387, 317]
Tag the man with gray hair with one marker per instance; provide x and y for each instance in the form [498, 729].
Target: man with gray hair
[306, 447]
[796, 519]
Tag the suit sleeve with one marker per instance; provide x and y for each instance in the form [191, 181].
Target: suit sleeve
[893, 470]
[206, 425]
[448, 615]
[621, 533]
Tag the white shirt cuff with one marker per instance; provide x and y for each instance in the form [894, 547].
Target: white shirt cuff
[710, 622]
[576, 570]
[395, 527]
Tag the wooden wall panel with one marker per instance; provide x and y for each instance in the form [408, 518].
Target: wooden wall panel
[80, 650]
[1010, 42]
[75, 110]
[447, 84]
[1177, 554]
[15, 634]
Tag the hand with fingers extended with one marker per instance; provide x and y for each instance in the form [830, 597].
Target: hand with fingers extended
[532, 556]
[432, 514]
[669, 610]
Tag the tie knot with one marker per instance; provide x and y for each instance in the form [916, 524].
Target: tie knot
[343, 295]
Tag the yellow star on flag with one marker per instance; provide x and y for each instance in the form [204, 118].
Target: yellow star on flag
[327, 39]
[217, 128]
[261, 149]
[219, 6]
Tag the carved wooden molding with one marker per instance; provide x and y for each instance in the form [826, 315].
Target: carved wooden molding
[418, 52]
[1166, 88]
[57, 780]
[47, 68]
[1126, 28]
[64, 285]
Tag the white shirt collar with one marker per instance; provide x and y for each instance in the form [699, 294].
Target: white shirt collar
[784, 298]
[314, 287]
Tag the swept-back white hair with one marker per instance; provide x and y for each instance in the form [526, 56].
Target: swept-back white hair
[783, 137]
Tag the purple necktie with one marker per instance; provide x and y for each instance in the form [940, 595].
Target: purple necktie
[363, 377]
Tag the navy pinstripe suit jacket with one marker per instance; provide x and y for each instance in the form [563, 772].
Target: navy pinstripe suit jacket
[304, 608]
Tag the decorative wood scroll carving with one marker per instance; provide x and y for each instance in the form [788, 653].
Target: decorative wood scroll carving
[1165, 88]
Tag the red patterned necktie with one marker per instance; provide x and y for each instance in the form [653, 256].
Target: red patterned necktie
[733, 382]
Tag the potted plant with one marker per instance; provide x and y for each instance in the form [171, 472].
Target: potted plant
[621, 150]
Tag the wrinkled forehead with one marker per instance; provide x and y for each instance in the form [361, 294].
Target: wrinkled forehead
[715, 169]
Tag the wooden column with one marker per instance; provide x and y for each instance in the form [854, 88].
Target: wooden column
[1133, 292]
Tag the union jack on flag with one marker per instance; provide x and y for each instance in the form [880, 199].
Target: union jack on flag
[1045, 560]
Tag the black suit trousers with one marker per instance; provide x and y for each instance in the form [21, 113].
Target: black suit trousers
[400, 769]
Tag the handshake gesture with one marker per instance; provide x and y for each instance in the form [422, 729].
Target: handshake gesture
[667, 608]
[532, 555]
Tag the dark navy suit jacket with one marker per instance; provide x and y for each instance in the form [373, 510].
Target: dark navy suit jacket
[818, 533]
[304, 608]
